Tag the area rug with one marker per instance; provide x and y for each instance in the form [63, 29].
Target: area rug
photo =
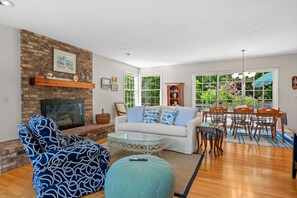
[265, 140]
[184, 166]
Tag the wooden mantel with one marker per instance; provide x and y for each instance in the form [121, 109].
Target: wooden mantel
[42, 81]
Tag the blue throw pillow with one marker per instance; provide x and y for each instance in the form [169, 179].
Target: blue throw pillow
[135, 114]
[151, 115]
[184, 115]
[169, 116]
[47, 133]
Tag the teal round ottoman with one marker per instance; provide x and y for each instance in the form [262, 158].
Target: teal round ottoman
[140, 179]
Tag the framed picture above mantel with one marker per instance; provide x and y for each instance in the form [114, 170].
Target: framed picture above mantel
[64, 62]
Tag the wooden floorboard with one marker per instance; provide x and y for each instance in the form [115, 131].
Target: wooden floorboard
[245, 171]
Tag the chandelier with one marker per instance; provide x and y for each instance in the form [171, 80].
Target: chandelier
[243, 74]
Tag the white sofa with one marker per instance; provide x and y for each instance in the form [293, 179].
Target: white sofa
[177, 138]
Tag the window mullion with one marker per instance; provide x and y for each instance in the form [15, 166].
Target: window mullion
[218, 89]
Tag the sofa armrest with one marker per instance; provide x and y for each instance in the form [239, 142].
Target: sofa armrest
[191, 125]
[118, 120]
[191, 130]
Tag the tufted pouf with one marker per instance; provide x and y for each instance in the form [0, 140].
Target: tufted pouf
[135, 179]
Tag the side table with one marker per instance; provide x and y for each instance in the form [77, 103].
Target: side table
[212, 132]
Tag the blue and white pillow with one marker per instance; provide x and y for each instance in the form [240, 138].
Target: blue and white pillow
[169, 116]
[151, 115]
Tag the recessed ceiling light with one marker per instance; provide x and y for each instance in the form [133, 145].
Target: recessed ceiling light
[6, 3]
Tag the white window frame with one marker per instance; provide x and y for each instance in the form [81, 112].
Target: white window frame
[136, 86]
[161, 85]
[275, 73]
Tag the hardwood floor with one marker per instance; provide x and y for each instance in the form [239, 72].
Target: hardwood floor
[245, 171]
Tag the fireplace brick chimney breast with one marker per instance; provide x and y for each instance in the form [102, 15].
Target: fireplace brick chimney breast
[37, 60]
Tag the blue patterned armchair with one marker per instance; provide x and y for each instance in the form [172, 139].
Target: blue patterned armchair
[63, 166]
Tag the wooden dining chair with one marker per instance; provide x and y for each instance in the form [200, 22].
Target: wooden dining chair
[266, 118]
[120, 108]
[243, 118]
[219, 115]
[233, 116]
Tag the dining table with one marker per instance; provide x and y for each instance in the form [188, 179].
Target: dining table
[281, 116]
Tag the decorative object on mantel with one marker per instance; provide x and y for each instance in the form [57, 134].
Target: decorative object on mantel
[294, 82]
[114, 80]
[84, 76]
[114, 87]
[75, 78]
[103, 118]
[64, 62]
[105, 83]
[51, 76]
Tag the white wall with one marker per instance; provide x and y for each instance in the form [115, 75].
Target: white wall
[287, 64]
[10, 83]
[106, 68]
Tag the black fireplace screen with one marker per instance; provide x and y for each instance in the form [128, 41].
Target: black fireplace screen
[66, 113]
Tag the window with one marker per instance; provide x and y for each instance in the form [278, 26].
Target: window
[151, 90]
[223, 89]
[130, 90]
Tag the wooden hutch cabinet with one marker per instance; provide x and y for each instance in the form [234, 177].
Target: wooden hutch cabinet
[175, 94]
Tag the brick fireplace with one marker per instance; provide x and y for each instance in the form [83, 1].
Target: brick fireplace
[37, 60]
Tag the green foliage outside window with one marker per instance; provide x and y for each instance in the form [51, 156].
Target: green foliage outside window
[129, 89]
[150, 90]
[226, 91]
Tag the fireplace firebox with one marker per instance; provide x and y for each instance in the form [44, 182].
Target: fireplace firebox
[66, 113]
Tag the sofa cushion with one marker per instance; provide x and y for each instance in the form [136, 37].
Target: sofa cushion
[151, 116]
[169, 117]
[135, 114]
[184, 115]
[46, 132]
[153, 128]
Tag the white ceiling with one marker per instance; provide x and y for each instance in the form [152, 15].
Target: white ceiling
[163, 32]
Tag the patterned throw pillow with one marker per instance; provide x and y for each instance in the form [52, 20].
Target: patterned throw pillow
[169, 116]
[151, 115]
[46, 132]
